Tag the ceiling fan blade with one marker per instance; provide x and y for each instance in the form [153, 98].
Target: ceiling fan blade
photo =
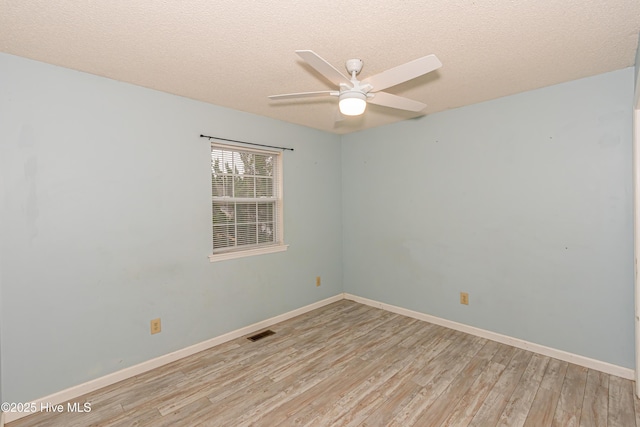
[394, 101]
[323, 67]
[305, 94]
[403, 73]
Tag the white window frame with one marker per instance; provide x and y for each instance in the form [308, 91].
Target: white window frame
[259, 249]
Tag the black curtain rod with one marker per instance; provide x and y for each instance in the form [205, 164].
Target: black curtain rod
[243, 142]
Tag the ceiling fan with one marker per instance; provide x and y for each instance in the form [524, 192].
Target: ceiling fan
[354, 94]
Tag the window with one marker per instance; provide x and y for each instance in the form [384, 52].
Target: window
[246, 200]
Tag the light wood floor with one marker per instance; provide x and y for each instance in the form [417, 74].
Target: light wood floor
[348, 364]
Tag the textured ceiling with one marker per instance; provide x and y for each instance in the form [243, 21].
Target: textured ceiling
[236, 53]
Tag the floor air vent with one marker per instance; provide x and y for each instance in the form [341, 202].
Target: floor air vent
[261, 335]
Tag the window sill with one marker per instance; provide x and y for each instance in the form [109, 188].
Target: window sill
[248, 252]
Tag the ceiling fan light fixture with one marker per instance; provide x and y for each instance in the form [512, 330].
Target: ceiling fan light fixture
[354, 95]
[352, 103]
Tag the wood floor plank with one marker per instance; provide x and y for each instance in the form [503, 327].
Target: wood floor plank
[355, 405]
[489, 413]
[517, 408]
[571, 397]
[438, 383]
[473, 399]
[348, 364]
[343, 391]
[392, 404]
[178, 416]
[399, 391]
[621, 406]
[302, 395]
[134, 418]
[436, 414]
[544, 405]
[441, 361]
[353, 400]
[424, 334]
[595, 403]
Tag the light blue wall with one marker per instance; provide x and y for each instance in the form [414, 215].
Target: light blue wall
[525, 202]
[106, 224]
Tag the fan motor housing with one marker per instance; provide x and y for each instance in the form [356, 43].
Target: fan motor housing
[354, 65]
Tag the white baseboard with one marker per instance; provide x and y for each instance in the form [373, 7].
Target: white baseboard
[89, 386]
[587, 362]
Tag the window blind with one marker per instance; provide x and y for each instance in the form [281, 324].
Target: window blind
[246, 199]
